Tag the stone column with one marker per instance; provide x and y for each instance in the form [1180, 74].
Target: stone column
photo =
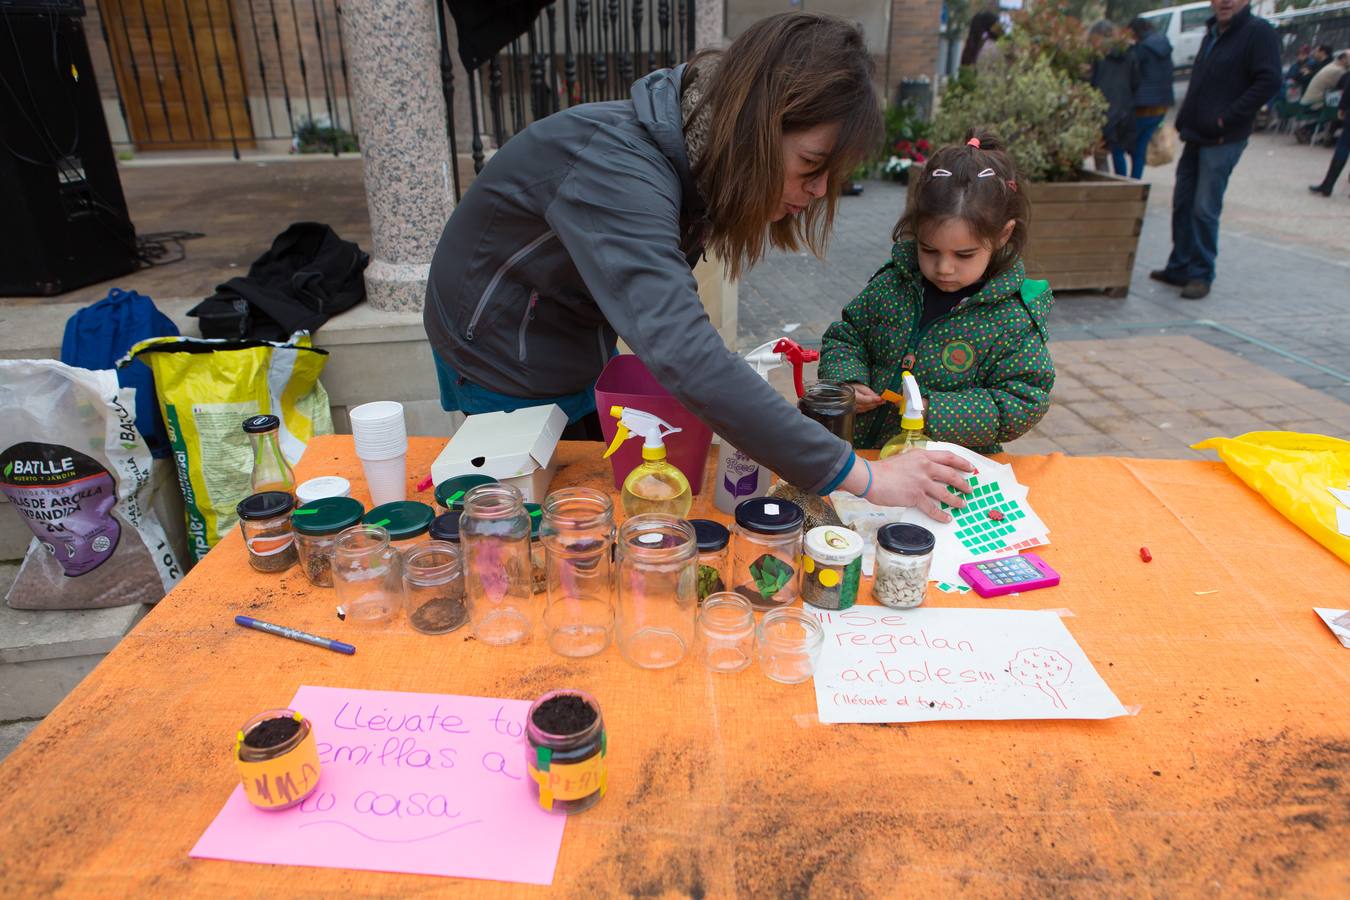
[393, 60]
[709, 17]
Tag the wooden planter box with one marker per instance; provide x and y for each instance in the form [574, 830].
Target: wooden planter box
[1084, 234]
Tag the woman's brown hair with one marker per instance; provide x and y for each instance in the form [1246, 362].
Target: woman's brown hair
[786, 73]
[980, 187]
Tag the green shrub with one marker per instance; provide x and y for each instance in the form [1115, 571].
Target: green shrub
[1049, 120]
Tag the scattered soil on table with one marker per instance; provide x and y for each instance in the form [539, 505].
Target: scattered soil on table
[270, 733]
[564, 714]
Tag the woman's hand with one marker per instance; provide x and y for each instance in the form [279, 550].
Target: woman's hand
[918, 478]
[864, 398]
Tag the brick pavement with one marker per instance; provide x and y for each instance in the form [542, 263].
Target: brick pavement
[1150, 373]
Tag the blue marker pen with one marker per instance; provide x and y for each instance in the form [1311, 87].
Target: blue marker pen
[293, 634]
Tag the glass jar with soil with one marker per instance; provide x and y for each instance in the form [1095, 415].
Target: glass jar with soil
[265, 522]
[317, 525]
[433, 588]
[767, 549]
[832, 405]
[565, 752]
[577, 534]
[714, 540]
[277, 758]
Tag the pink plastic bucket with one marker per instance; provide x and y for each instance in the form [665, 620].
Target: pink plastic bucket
[627, 382]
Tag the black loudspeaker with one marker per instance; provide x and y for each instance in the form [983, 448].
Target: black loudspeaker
[64, 222]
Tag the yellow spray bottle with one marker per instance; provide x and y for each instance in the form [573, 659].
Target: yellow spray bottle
[656, 486]
[911, 436]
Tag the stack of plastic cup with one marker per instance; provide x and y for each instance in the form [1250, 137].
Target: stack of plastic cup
[381, 439]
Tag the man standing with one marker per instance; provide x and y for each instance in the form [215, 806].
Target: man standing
[1236, 71]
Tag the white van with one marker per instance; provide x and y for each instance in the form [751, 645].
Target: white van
[1184, 27]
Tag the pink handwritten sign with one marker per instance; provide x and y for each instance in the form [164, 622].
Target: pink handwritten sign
[930, 664]
[433, 784]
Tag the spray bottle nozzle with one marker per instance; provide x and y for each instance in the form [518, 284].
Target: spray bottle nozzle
[769, 356]
[911, 403]
[634, 421]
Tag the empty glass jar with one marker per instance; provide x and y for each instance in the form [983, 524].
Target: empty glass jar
[789, 642]
[726, 626]
[577, 534]
[767, 549]
[433, 588]
[494, 536]
[658, 591]
[367, 575]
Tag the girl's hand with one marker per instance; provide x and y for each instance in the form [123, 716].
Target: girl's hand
[918, 478]
[864, 398]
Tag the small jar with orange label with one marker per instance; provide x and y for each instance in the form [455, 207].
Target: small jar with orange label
[566, 750]
[278, 759]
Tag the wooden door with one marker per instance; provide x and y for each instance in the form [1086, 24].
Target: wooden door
[179, 71]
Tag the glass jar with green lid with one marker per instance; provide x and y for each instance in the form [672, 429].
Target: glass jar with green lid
[316, 525]
[407, 522]
[450, 492]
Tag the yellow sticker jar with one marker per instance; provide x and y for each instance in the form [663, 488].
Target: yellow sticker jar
[831, 567]
[278, 759]
[565, 751]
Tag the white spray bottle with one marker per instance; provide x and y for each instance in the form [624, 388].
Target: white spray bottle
[738, 476]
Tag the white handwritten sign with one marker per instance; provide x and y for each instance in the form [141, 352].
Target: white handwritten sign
[429, 783]
[929, 665]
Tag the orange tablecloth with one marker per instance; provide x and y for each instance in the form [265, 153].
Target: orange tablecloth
[1233, 778]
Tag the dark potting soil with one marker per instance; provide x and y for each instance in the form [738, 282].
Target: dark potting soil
[564, 714]
[271, 732]
[439, 615]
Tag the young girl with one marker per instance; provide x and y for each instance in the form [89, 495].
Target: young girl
[954, 307]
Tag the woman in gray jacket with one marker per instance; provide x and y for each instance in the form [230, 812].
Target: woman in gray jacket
[585, 228]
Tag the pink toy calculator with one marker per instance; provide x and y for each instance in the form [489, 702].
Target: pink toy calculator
[995, 577]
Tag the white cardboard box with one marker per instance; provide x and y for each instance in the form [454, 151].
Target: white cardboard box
[516, 448]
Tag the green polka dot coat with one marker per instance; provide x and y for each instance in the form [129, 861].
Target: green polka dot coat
[984, 368]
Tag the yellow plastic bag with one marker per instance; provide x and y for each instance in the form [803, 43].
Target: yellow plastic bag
[206, 389]
[1293, 471]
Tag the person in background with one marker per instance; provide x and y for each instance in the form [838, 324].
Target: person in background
[1326, 79]
[953, 306]
[584, 228]
[1115, 73]
[1152, 54]
[1342, 151]
[1301, 71]
[1236, 71]
[981, 39]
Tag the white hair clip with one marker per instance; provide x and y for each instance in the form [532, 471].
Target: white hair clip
[986, 173]
[941, 173]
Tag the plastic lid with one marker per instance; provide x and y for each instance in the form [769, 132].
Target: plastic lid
[327, 515]
[710, 535]
[261, 424]
[769, 515]
[445, 527]
[403, 519]
[460, 484]
[833, 545]
[323, 486]
[267, 505]
[536, 519]
[906, 539]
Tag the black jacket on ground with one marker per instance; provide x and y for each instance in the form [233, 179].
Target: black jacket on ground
[1236, 72]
